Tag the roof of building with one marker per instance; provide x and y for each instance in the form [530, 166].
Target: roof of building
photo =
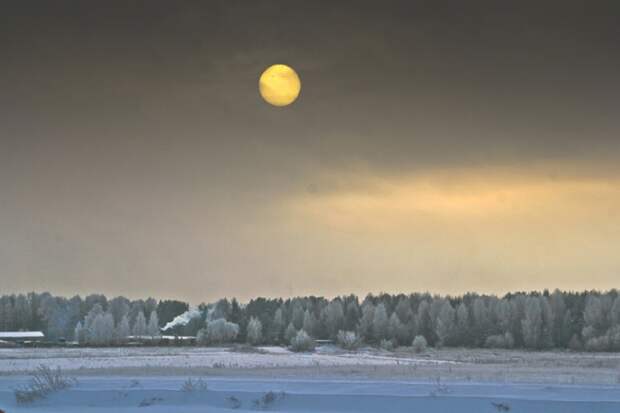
[21, 334]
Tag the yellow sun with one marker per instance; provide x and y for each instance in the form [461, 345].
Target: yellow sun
[279, 85]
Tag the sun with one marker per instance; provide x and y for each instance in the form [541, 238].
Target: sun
[279, 85]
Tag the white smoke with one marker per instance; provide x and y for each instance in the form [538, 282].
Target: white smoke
[183, 319]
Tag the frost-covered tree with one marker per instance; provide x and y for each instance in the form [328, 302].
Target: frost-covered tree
[365, 327]
[380, 323]
[348, 340]
[310, 325]
[532, 323]
[139, 326]
[419, 344]
[278, 325]
[7, 314]
[462, 325]
[89, 323]
[219, 331]
[589, 320]
[297, 317]
[23, 313]
[118, 307]
[614, 314]
[560, 333]
[102, 330]
[397, 332]
[481, 321]
[403, 310]
[255, 331]
[222, 309]
[445, 325]
[593, 318]
[290, 332]
[153, 327]
[122, 329]
[423, 321]
[352, 315]
[302, 342]
[546, 339]
[502, 316]
[500, 341]
[334, 319]
[79, 333]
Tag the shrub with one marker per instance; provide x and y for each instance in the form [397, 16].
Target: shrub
[43, 382]
[234, 402]
[348, 340]
[302, 342]
[254, 331]
[419, 344]
[501, 407]
[221, 331]
[575, 344]
[614, 338]
[150, 402]
[500, 341]
[440, 388]
[190, 385]
[387, 345]
[598, 344]
[268, 399]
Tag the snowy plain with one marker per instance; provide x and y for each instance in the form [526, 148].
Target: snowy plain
[71, 359]
[134, 380]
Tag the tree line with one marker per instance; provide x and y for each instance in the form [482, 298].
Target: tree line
[588, 320]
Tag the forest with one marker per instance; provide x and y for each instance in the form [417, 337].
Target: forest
[588, 320]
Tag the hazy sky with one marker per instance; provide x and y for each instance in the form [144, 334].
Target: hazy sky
[436, 145]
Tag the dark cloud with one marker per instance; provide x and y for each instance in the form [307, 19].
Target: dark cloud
[136, 113]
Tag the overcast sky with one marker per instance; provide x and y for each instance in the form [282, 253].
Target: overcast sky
[436, 145]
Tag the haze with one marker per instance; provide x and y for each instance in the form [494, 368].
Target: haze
[445, 148]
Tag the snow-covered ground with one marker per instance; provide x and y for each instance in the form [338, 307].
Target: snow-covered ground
[162, 394]
[133, 380]
[71, 359]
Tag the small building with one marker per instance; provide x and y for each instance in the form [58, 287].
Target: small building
[21, 336]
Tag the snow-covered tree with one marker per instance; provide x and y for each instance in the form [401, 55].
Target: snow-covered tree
[419, 344]
[23, 313]
[396, 330]
[481, 321]
[334, 318]
[423, 321]
[139, 326]
[102, 330]
[348, 340]
[278, 325]
[290, 332]
[297, 317]
[220, 331]
[78, 334]
[365, 326]
[302, 342]
[380, 323]
[153, 327]
[255, 331]
[614, 315]
[532, 323]
[310, 324]
[445, 325]
[560, 331]
[118, 307]
[462, 325]
[352, 315]
[122, 329]
[7, 314]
